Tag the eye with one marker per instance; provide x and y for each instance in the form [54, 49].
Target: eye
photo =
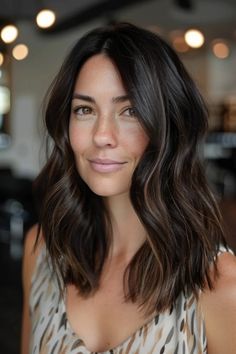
[82, 110]
[130, 112]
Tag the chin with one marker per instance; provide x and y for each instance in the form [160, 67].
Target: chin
[107, 190]
[107, 193]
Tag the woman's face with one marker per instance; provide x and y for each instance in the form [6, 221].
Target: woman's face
[105, 135]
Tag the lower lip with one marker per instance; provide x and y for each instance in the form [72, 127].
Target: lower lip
[111, 167]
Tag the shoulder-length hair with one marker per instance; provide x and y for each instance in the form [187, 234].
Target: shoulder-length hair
[169, 191]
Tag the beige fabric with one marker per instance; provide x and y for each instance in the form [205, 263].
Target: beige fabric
[180, 330]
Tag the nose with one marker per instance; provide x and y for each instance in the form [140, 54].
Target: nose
[105, 132]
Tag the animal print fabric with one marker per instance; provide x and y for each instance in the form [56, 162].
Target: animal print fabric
[180, 330]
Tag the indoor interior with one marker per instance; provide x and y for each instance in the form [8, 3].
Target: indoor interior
[28, 64]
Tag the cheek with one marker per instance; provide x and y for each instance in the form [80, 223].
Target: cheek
[77, 138]
[135, 140]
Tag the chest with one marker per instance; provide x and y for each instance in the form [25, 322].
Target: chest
[104, 320]
[180, 330]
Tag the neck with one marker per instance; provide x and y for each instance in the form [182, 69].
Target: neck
[128, 232]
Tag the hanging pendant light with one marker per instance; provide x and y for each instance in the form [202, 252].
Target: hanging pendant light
[220, 49]
[20, 51]
[194, 38]
[9, 33]
[45, 18]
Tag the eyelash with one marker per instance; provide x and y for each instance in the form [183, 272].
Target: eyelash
[132, 111]
[77, 109]
[133, 114]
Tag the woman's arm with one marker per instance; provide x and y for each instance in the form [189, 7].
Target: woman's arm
[29, 260]
[219, 308]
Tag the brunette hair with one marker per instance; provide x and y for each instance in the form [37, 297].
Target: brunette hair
[169, 191]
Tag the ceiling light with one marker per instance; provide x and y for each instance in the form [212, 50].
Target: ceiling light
[1, 59]
[45, 18]
[194, 38]
[220, 49]
[20, 51]
[179, 44]
[9, 33]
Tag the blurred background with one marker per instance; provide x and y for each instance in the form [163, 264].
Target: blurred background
[33, 44]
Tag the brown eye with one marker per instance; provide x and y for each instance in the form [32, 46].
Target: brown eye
[82, 110]
[131, 112]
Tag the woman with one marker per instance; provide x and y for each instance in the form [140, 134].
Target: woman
[129, 255]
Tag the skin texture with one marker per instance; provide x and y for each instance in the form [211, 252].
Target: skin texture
[104, 129]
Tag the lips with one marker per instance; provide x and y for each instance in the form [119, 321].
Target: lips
[106, 165]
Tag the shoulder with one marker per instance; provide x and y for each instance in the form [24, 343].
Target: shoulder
[31, 252]
[219, 307]
[224, 285]
[31, 247]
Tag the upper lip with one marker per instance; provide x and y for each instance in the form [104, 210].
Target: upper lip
[106, 161]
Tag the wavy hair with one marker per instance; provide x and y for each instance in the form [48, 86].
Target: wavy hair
[169, 191]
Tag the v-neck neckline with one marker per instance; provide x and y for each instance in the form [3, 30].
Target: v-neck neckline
[145, 327]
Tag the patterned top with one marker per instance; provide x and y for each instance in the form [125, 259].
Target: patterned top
[179, 330]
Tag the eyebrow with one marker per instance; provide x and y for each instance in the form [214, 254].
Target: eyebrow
[86, 98]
